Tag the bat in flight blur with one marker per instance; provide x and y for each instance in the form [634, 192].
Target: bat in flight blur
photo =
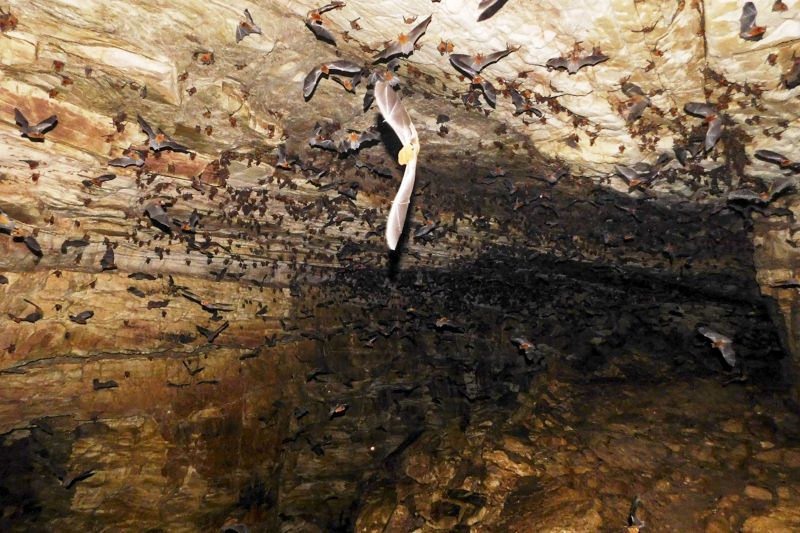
[404, 44]
[398, 118]
[36, 132]
[722, 343]
[575, 61]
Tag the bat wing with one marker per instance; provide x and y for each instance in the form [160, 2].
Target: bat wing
[169, 144]
[744, 195]
[591, 60]
[748, 19]
[635, 111]
[343, 66]
[489, 92]
[46, 124]
[249, 17]
[631, 89]
[399, 210]
[464, 64]
[20, 119]
[369, 135]
[321, 32]
[699, 109]
[728, 353]
[781, 186]
[491, 58]
[772, 157]
[714, 336]
[713, 133]
[557, 63]
[331, 6]
[391, 50]
[310, 83]
[417, 32]
[628, 174]
[241, 32]
[394, 113]
[145, 127]
[517, 100]
[489, 7]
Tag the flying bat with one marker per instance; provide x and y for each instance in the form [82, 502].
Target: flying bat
[159, 141]
[6, 223]
[522, 104]
[130, 158]
[777, 159]
[316, 23]
[210, 335]
[637, 103]
[353, 139]
[776, 189]
[34, 133]
[398, 118]
[32, 318]
[633, 520]
[471, 66]
[321, 139]
[347, 68]
[633, 177]
[574, 62]
[722, 343]
[158, 216]
[73, 243]
[712, 118]
[33, 245]
[404, 44]
[99, 180]
[489, 7]
[337, 410]
[747, 24]
[190, 225]
[386, 74]
[246, 27]
[81, 317]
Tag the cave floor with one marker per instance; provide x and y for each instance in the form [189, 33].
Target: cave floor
[701, 455]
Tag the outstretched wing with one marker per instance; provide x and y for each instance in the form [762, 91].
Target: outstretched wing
[145, 127]
[394, 113]
[700, 109]
[492, 58]
[593, 59]
[489, 7]
[20, 119]
[46, 124]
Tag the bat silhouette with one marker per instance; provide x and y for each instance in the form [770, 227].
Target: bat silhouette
[404, 44]
[6, 223]
[637, 103]
[712, 118]
[210, 335]
[81, 317]
[159, 141]
[107, 261]
[747, 24]
[722, 343]
[386, 74]
[574, 62]
[316, 23]
[777, 159]
[246, 27]
[130, 158]
[34, 133]
[488, 8]
[33, 245]
[396, 115]
[190, 225]
[325, 69]
[522, 104]
[776, 189]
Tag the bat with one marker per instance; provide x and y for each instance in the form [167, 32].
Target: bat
[711, 116]
[131, 158]
[211, 335]
[776, 189]
[136, 292]
[386, 74]
[574, 62]
[320, 139]
[7, 225]
[471, 66]
[316, 23]
[348, 84]
[337, 410]
[3, 280]
[488, 8]
[283, 159]
[792, 78]
[107, 261]
[73, 243]
[632, 177]
[398, 118]
[425, 229]
[353, 139]
[31, 318]
[246, 27]
[190, 225]
[100, 385]
[33, 245]
[81, 317]
[722, 343]
[777, 159]
[747, 23]
[779, 6]
[633, 520]
[488, 89]
[522, 104]
[7, 21]
[158, 216]
[159, 141]
[325, 69]
[637, 103]
[99, 180]
[405, 43]
[141, 276]
[34, 133]
[210, 307]
[157, 304]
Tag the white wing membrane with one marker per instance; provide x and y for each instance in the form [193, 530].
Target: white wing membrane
[396, 115]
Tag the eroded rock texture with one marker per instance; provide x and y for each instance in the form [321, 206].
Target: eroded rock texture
[273, 366]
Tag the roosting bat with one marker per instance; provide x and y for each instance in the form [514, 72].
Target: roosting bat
[35, 133]
[325, 69]
[405, 43]
[396, 115]
[246, 27]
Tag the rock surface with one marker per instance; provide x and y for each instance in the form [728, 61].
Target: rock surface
[144, 418]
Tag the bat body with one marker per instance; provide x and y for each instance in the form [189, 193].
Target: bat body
[748, 30]
[158, 141]
[471, 66]
[316, 23]
[7, 225]
[353, 139]
[398, 118]
[158, 216]
[404, 44]
[488, 8]
[107, 261]
[81, 317]
[342, 66]
[33, 245]
[712, 118]
[574, 62]
[522, 104]
[638, 102]
[722, 343]
[777, 159]
[130, 158]
[34, 133]
[246, 27]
